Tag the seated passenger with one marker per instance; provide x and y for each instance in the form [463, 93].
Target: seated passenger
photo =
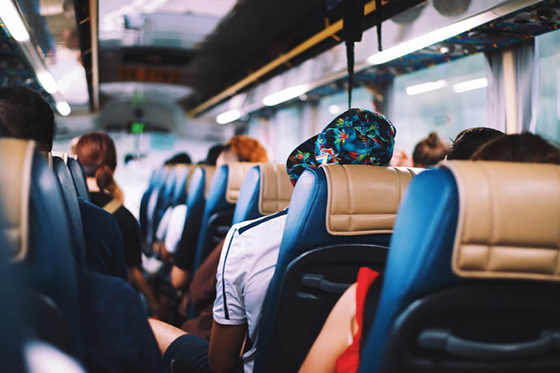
[429, 151]
[26, 115]
[401, 158]
[115, 332]
[469, 141]
[332, 350]
[251, 250]
[238, 149]
[97, 154]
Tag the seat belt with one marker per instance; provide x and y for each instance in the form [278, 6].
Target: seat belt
[112, 206]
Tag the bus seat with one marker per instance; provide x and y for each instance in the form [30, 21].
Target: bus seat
[143, 218]
[471, 282]
[340, 219]
[35, 223]
[79, 178]
[196, 200]
[154, 202]
[220, 205]
[70, 196]
[266, 190]
[181, 185]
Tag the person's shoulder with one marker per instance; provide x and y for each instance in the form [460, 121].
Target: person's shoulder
[95, 215]
[263, 223]
[125, 214]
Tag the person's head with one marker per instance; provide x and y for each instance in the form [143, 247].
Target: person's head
[25, 114]
[429, 151]
[213, 154]
[401, 158]
[242, 149]
[179, 158]
[97, 153]
[469, 141]
[354, 137]
[525, 147]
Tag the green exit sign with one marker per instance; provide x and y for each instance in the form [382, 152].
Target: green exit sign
[138, 127]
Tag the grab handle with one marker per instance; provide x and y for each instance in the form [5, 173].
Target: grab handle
[442, 340]
[319, 282]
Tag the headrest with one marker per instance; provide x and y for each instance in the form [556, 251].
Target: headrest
[276, 188]
[208, 176]
[15, 182]
[364, 200]
[236, 174]
[509, 220]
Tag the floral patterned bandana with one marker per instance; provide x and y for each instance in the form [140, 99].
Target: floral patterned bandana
[354, 137]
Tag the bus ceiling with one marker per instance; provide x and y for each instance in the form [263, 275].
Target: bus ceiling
[237, 57]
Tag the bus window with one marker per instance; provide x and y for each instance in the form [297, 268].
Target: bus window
[548, 118]
[446, 98]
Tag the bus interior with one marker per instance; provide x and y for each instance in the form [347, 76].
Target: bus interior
[206, 103]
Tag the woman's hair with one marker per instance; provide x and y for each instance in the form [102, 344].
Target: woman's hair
[247, 149]
[97, 153]
[525, 147]
[213, 154]
[470, 140]
[429, 151]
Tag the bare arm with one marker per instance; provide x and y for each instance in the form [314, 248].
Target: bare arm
[179, 278]
[334, 337]
[165, 334]
[226, 346]
[137, 279]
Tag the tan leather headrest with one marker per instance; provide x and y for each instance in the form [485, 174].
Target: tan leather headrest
[509, 220]
[236, 175]
[16, 157]
[364, 199]
[276, 188]
[208, 175]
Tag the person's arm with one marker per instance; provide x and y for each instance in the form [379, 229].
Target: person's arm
[226, 346]
[334, 337]
[165, 334]
[137, 279]
[179, 277]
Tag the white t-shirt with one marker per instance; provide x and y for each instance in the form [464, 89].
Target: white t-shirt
[175, 227]
[246, 267]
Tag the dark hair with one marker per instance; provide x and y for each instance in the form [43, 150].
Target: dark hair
[179, 158]
[470, 140]
[25, 114]
[525, 147]
[97, 153]
[429, 151]
[247, 149]
[213, 154]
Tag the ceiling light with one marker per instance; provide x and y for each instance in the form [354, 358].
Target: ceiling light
[430, 38]
[47, 81]
[63, 108]
[425, 87]
[228, 116]
[12, 19]
[470, 85]
[334, 109]
[285, 95]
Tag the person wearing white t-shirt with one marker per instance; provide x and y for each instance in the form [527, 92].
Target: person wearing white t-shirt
[250, 252]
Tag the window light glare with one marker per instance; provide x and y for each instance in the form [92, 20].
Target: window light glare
[285, 95]
[63, 108]
[470, 85]
[12, 19]
[47, 81]
[334, 109]
[425, 87]
[228, 116]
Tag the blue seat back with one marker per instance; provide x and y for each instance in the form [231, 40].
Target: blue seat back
[321, 245]
[79, 178]
[40, 241]
[266, 190]
[490, 223]
[181, 185]
[220, 205]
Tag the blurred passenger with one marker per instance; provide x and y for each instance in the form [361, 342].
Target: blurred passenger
[213, 154]
[202, 289]
[525, 147]
[179, 158]
[247, 266]
[115, 334]
[429, 151]
[469, 141]
[401, 158]
[97, 153]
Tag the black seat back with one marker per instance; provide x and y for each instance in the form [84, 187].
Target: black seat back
[79, 178]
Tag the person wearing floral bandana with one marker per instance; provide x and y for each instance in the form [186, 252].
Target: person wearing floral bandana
[251, 248]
